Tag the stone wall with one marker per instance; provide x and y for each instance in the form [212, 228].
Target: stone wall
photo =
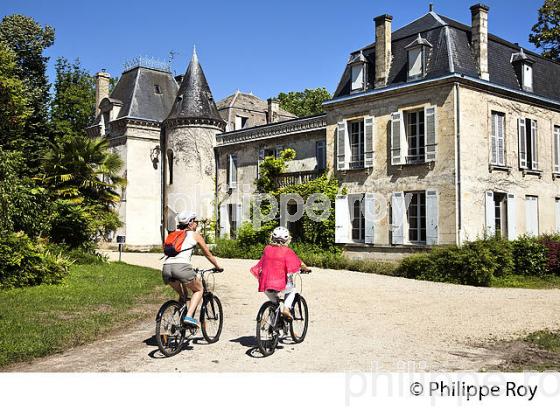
[193, 187]
[476, 177]
[384, 178]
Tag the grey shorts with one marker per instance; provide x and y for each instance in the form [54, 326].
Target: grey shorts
[181, 272]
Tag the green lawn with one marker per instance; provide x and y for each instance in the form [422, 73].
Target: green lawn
[92, 300]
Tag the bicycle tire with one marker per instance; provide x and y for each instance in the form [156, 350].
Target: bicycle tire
[300, 321]
[211, 312]
[267, 335]
[170, 333]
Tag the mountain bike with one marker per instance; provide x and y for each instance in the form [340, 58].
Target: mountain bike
[271, 323]
[171, 332]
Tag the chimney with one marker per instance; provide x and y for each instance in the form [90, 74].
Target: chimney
[102, 80]
[382, 49]
[273, 108]
[480, 38]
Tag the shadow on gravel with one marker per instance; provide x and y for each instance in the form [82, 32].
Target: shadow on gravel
[251, 342]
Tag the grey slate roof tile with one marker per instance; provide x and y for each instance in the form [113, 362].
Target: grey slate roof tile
[452, 52]
[136, 90]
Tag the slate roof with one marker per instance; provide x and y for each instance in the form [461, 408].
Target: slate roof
[194, 99]
[250, 102]
[137, 92]
[452, 53]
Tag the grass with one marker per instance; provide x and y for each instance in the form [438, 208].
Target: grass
[527, 282]
[538, 351]
[545, 339]
[93, 300]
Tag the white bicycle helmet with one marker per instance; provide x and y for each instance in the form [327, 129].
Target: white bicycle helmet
[280, 235]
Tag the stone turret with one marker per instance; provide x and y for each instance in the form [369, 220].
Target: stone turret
[188, 140]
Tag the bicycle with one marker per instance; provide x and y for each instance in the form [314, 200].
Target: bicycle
[171, 332]
[270, 322]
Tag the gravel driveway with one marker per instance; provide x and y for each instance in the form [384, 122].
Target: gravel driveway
[358, 322]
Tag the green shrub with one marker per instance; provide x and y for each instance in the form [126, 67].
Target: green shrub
[25, 262]
[530, 257]
[229, 248]
[470, 265]
[417, 266]
[79, 256]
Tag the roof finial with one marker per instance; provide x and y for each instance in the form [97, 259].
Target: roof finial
[194, 55]
[431, 7]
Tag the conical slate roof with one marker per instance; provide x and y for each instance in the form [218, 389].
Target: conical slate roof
[194, 100]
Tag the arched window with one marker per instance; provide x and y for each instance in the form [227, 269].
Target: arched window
[170, 165]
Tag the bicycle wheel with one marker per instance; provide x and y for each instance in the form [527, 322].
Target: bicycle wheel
[169, 331]
[267, 333]
[300, 314]
[211, 319]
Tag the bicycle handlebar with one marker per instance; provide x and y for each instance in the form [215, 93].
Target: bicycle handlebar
[212, 270]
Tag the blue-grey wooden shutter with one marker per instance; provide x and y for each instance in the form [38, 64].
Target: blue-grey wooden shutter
[224, 221]
[500, 140]
[342, 219]
[397, 153]
[432, 216]
[490, 214]
[511, 217]
[341, 162]
[522, 143]
[369, 134]
[398, 209]
[369, 217]
[430, 130]
[556, 149]
[534, 145]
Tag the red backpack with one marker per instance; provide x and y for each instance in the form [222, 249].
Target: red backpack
[174, 242]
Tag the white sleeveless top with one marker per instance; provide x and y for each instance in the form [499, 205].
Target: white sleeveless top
[185, 256]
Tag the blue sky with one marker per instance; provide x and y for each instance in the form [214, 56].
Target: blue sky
[264, 47]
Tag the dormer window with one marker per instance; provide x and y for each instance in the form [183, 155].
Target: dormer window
[416, 53]
[357, 65]
[523, 66]
[357, 77]
[527, 77]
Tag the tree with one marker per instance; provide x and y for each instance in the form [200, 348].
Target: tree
[83, 169]
[28, 40]
[14, 106]
[547, 30]
[302, 104]
[73, 107]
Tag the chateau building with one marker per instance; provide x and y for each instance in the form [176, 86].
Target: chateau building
[439, 132]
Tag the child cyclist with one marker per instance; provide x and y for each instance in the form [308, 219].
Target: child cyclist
[276, 267]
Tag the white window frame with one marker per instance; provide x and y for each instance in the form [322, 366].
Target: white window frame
[232, 171]
[358, 74]
[527, 76]
[524, 142]
[240, 122]
[417, 52]
[321, 154]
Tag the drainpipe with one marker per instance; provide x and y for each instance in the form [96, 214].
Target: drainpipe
[216, 208]
[163, 200]
[458, 190]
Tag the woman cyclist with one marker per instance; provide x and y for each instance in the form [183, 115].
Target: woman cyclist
[276, 267]
[177, 270]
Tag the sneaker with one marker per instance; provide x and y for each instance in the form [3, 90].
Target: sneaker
[187, 320]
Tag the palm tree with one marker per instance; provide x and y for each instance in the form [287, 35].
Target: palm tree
[81, 168]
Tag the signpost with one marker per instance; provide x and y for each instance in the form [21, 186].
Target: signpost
[121, 239]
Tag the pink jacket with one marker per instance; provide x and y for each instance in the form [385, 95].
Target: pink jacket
[274, 266]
